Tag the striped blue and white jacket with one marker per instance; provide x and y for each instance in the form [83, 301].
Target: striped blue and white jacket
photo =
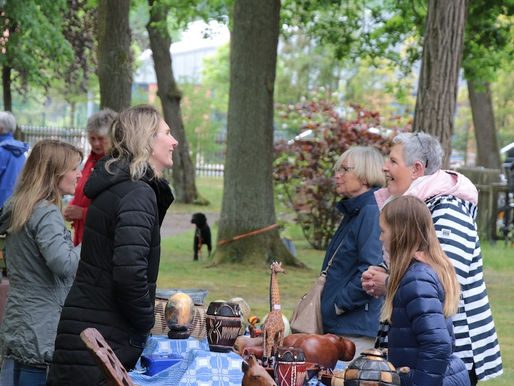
[451, 198]
[476, 342]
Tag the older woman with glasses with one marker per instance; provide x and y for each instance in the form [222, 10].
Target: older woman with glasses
[414, 168]
[346, 308]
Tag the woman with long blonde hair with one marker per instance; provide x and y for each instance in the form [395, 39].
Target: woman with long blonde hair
[422, 296]
[114, 290]
[40, 258]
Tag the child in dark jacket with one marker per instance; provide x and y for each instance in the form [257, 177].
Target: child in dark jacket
[422, 295]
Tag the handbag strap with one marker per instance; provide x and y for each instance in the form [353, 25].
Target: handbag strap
[324, 272]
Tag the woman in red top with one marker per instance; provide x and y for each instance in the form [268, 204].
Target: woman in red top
[97, 126]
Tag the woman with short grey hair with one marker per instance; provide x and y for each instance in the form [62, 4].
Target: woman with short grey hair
[7, 122]
[413, 168]
[421, 147]
[97, 129]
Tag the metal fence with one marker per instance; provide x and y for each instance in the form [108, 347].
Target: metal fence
[211, 170]
[78, 137]
[75, 136]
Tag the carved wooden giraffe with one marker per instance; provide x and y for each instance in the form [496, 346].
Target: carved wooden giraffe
[273, 329]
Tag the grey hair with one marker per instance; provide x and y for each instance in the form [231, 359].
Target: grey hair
[366, 162]
[100, 122]
[421, 147]
[7, 122]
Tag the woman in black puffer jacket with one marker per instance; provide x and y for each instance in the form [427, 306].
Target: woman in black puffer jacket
[114, 288]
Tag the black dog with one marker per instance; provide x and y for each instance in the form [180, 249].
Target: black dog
[202, 233]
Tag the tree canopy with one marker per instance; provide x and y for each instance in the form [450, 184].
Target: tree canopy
[32, 48]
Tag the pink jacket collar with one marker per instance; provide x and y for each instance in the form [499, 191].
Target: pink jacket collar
[441, 183]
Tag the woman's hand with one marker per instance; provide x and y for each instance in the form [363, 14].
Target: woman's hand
[374, 281]
[73, 212]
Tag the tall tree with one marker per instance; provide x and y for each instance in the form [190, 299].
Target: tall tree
[480, 99]
[32, 46]
[114, 56]
[78, 29]
[488, 45]
[248, 200]
[170, 95]
[440, 65]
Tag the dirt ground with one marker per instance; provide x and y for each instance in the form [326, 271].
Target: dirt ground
[179, 222]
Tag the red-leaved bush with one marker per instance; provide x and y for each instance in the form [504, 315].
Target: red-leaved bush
[303, 168]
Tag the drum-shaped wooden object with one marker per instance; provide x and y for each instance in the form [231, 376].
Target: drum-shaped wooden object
[290, 367]
[223, 322]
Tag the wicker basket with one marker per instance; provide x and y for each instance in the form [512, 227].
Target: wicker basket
[160, 327]
[198, 328]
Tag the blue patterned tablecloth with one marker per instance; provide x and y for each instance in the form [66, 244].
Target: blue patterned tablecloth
[200, 366]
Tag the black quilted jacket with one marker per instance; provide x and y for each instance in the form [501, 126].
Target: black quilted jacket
[114, 288]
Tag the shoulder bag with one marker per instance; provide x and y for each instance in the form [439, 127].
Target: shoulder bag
[306, 316]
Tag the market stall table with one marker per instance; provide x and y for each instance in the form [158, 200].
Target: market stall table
[199, 367]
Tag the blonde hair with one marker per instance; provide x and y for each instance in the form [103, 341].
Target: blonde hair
[412, 230]
[367, 164]
[132, 134]
[39, 180]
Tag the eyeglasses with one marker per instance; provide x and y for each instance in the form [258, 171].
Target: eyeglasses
[345, 169]
[421, 145]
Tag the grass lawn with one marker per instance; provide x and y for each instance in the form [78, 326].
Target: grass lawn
[178, 270]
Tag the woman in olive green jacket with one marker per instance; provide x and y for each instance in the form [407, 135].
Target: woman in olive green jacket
[40, 257]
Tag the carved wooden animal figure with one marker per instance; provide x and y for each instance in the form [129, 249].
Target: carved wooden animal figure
[257, 351]
[324, 350]
[243, 341]
[273, 329]
[255, 374]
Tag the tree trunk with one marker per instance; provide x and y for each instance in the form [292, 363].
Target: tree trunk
[170, 95]
[439, 74]
[248, 201]
[488, 153]
[114, 56]
[6, 84]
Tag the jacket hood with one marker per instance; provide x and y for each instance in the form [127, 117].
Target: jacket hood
[17, 148]
[101, 180]
[441, 183]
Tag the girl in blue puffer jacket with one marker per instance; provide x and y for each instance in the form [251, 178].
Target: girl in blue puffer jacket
[422, 295]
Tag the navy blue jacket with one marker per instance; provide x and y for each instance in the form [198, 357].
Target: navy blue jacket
[420, 336]
[359, 232]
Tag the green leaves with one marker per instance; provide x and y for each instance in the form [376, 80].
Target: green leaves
[35, 46]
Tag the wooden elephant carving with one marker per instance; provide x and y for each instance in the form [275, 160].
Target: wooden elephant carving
[324, 350]
[255, 374]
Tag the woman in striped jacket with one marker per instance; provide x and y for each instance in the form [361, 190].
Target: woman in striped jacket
[413, 168]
